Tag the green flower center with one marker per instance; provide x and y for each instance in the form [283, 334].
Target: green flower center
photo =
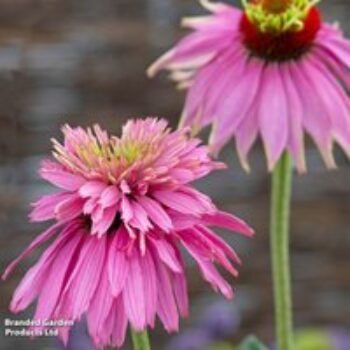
[275, 6]
[278, 16]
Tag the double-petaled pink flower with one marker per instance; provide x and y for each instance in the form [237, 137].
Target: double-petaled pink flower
[274, 70]
[122, 209]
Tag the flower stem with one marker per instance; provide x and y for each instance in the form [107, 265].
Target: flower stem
[140, 340]
[280, 209]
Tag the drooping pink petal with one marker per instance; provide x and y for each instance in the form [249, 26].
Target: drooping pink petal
[336, 104]
[209, 272]
[69, 208]
[179, 201]
[247, 133]
[61, 178]
[195, 105]
[126, 209]
[31, 284]
[92, 189]
[118, 266]
[272, 114]
[336, 46]
[44, 208]
[105, 221]
[195, 46]
[156, 213]
[166, 253]
[220, 243]
[243, 86]
[83, 281]
[101, 303]
[90, 206]
[51, 291]
[218, 253]
[110, 196]
[120, 322]
[166, 305]
[182, 221]
[36, 243]
[180, 287]
[140, 218]
[150, 286]
[203, 201]
[134, 293]
[228, 221]
[316, 122]
[295, 120]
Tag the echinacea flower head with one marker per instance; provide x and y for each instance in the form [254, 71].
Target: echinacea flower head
[274, 70]
[122, 209]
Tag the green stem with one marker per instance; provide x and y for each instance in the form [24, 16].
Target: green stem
[140, 340]
[280, 209]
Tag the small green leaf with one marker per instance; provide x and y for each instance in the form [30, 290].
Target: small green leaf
[252, 343]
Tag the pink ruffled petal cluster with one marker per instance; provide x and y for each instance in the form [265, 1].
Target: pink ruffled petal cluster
[123, 208]
[245, 96]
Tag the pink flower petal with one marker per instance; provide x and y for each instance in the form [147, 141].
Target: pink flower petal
[140, 218]
[69, 208]
[61, 178]
[126, 209]
[316, 121]
[101, 303]
[109, 197]
[52, 288]
[156, 213]
[118, 266]
[180, 287]
[167, 254]
[334, 100]
[32, 282]
[45, 206]
[120, 322]
[92, 189]
[36, 243]
[166, 307]
[178, 201]
[228, 221]
[295, 119]
[134, 294]
[209, 271]
[220, 243]
[273, 114]
[150, 286]
[103, 223]
[83, 281]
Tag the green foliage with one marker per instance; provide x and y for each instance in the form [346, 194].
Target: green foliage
[312, 339]
[222, 346]
[252, 343]
[307, 339]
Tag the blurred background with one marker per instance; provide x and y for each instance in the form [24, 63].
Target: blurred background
[84, 61]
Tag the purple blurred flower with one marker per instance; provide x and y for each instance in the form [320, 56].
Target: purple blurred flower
[341, 339]
[221, 319]
[78, 340]
[191, 339]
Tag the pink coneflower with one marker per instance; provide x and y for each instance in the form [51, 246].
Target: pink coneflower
[273, 70]
[122, 209]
